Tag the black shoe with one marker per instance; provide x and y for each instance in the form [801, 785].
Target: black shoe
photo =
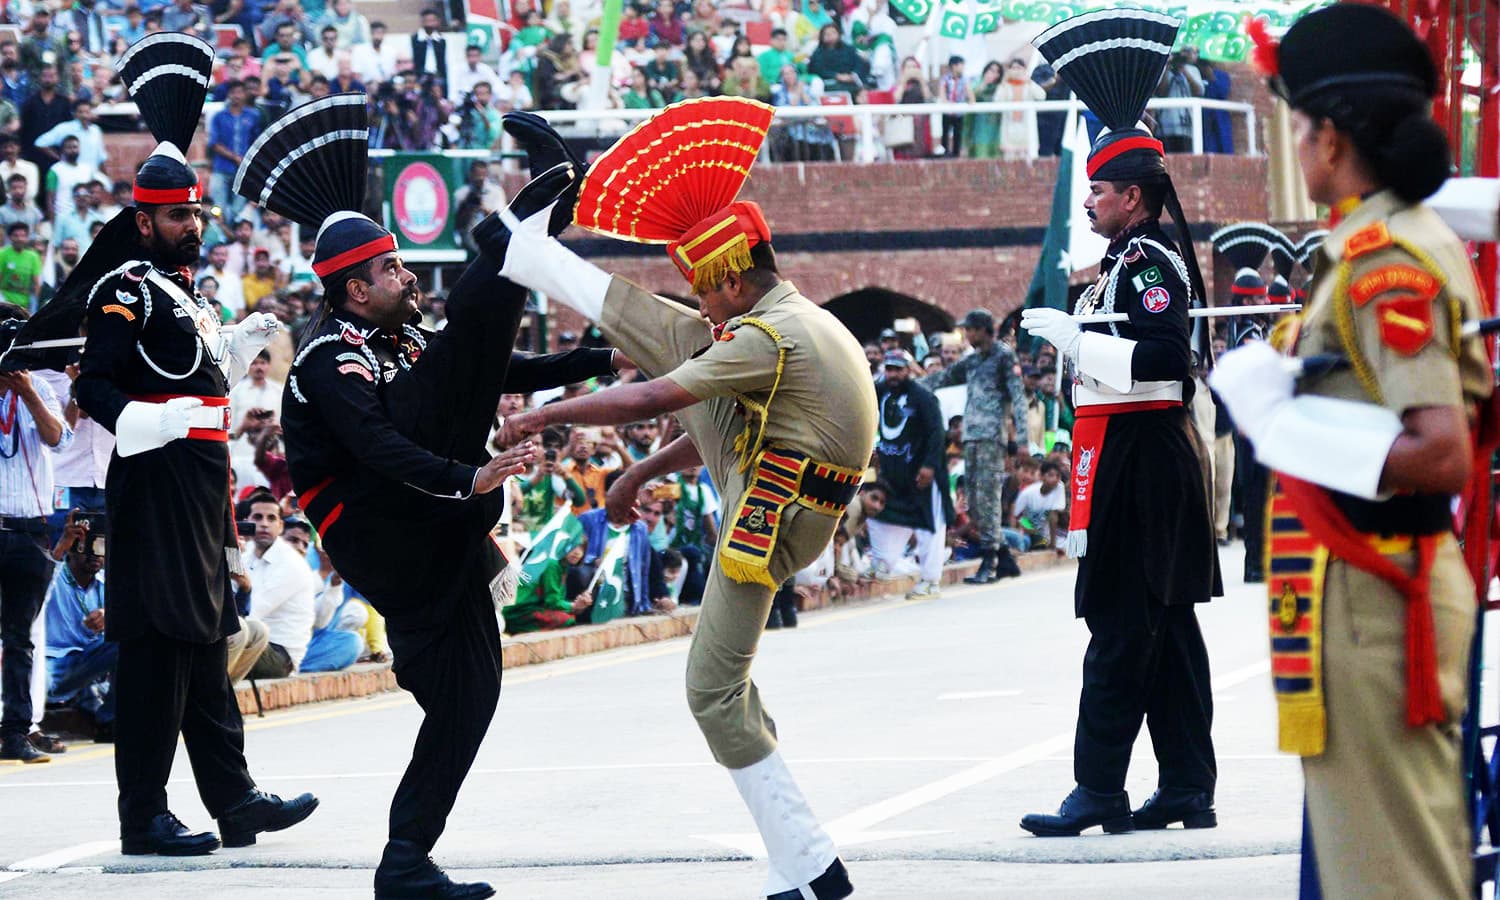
[47, 743]
[773, 621]
[21, 749]
[833, 884]
[491, 234]
[1005, 564]
[545, 149]
[986, 573]
[1254, 576]
[1082, 809]
[167, 836]
[1194, 809]
[258, 812]
[407, 872]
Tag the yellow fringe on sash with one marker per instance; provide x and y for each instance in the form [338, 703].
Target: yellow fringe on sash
[732, 257]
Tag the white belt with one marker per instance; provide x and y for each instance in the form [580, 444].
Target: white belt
[1095, 394]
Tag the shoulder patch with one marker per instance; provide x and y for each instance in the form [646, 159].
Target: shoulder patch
[1367, 240]
[1405, 278]
[351, 335]
[727, 336]
[351, 357]
[359, 369]
[118, 310]
[1156, 299]
[1405, 323]
[136, 271]
[125, 297]
[1145, 280]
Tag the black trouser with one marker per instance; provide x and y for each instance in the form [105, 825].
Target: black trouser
[1253, 480]
[1150, 665]
[456, 680]
[953, 135]
[165, 687]
[25, 570]
[274, 662]
[696, 578]
[447, 402]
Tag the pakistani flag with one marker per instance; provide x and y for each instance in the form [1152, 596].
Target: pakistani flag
[559, 536]
[1069, 244]
[609, 577]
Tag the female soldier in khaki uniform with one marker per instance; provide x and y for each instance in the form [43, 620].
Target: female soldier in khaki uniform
[1371, 608]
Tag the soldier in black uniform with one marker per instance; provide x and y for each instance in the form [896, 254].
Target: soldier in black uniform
[386, 427]
[1140, 521]
[156, 372]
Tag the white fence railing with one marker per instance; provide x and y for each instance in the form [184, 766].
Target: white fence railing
[869, 118]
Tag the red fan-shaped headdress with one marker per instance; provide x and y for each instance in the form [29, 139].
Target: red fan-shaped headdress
[673, 180]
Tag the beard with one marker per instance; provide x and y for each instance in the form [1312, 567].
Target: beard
[179, 253]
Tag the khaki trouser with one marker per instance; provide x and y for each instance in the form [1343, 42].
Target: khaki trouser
[245, 646]
[1223, 482]
[1385, 801]
[658, 335]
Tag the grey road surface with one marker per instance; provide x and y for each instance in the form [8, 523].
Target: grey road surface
[921, 733]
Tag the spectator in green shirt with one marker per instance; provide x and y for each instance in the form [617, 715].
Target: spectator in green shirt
[641, 95]
[481, 120]
[20, 267]
[286, 44]
[773, 59]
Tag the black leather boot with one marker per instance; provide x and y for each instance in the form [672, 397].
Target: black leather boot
[165, 835]
[1005, 564]
[406, 871]
[986, 572]
[833, 884]
[1082, 809]
[1194, 809]
[544, 149]
[259, 811]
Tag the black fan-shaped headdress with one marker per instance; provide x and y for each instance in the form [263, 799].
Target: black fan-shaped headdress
[1284, 260]
[310, 167]
[1246, 245]
[1308, 246]
[167, 75]
[1113, 60]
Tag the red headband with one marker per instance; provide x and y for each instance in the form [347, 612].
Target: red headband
[369, 250]
[165, 196]
[1098, 160]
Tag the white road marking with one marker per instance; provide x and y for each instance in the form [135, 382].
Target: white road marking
[856, 827]
[977, 695]
[49, 862]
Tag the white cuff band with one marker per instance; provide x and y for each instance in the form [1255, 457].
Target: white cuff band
[1339, 444]
[138, 428]
[1106, 358]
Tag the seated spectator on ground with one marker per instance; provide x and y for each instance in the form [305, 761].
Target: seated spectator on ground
[869, 502]
[641, 568]
[282, 588]
[339, 618]
[1040, 508]
[542, 601]
[696, 532]
[548, 487]
[589, 463]
[80, 662]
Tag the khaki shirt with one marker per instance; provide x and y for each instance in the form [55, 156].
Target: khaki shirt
[825, 403]
[1392, 286]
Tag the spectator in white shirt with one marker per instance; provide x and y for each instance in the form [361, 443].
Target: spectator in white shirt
[91, 149]
[231, 294]
[79, 468]
[257, 390]
[1040, 505]
[283, 589]
[323, 58]
[11, 163]
[68, 173]
[461, 81]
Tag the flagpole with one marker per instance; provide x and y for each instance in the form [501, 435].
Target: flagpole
[1207, 312]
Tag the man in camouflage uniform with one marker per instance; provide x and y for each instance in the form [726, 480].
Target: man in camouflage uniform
[994, 381]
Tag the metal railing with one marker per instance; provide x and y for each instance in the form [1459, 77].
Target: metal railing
[866, 116]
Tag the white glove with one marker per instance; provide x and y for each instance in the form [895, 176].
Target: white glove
[1055, 327]
[1253, 381]
[247, 339]
[534, 260]
[147, 426]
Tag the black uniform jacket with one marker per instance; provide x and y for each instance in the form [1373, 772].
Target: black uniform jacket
[401, 523]
[170, 526]
[1151, 539]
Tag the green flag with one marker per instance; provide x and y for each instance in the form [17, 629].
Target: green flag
[609, 578]
[1049, 283]
[559, 536]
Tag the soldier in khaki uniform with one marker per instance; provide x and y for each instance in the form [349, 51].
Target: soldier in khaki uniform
[1371, 607]
[776, 399]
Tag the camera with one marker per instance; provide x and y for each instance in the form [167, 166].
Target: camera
[550, 455]
[244, 529]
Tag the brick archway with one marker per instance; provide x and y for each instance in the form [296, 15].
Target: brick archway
[867, 311]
